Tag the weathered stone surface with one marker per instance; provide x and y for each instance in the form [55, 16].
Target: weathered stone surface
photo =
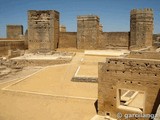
[156, 40]
[68, 40]
[43, 30]
[6, 45]
[141, 28]
[62, 28]
[114, 40]
[87, 32]
[144, 55]
[85, 79]
[14, 31]
[107, 40]
[8, 67]
[130, 74]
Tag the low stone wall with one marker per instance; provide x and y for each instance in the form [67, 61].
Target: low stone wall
[3, 51]
[85, 79]
[156, 37]
[156, 40]
[6, 45]
[41, 62]
[16, 53]
[144, 55]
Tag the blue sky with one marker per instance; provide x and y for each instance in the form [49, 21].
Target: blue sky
[114, 14]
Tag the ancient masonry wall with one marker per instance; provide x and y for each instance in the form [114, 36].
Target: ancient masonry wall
[33, 62]
[114, 40]
[6, 45]
[91, 36]
[14, 31]
[156, 37]
[43, 30]
[107, 40]
[62, 28]
[67, 40]
[130, 74]
[141, 28]
[87, 32]
[156, 40]
[144, 55]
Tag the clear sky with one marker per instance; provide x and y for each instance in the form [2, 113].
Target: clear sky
[114, 14]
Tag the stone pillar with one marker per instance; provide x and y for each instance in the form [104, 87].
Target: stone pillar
[141, 28]
[62, 28]
[14, 31]
[43, 30]
[87, 32]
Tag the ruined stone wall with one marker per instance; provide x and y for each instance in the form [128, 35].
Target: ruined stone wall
[156, 37]
[144, 55]
[130, 74]
[114, 40]
[91, 36]
[62, 28]
[156, 40]
[43, 30]
[16, 53]
[6, 45]
[141, 28]
[87, 32]
[107, 40]
[68, 40]
[14, 31]
[41, 62]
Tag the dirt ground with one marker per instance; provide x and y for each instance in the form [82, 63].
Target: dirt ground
[21, 74]
[46, 82]
[49, 94]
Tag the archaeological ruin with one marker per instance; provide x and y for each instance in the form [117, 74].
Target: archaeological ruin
[43, 30]
[14, 31]
[141, 27]
[52, 74]
[45, 25]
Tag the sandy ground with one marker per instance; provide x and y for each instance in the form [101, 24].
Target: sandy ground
[92, 60]
[49, 95]
[89, 66]
[46, 82]
[19, 75]
[87, 71]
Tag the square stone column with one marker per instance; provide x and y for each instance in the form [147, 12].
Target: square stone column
[87, 32]
[43, 30]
